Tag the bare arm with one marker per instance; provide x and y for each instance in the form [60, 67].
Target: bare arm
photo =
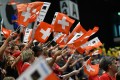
[75, 62]
[5, 44]
[66, 76]
[54, 58]
[16, 61]
[3, 47]
[19, 57]
[63, 68]
[64, 52]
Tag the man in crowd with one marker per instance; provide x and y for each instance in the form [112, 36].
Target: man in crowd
[109, 65]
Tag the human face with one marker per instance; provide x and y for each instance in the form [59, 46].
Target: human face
[16, 48]
[114, 66]
[8, 49]
[11, 60]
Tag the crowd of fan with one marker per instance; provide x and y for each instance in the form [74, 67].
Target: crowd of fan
[67, 64]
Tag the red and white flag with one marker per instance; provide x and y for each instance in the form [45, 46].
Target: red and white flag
[77, 35]
[84, 38]
[88, 34]
[81, 40]
[6, 32]
[62, 23]
[43, 32]
[77, 29]
[94, 43]
[28, 12]
[58, 38]
[89, 69]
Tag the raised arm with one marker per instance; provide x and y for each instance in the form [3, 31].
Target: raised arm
[5, 44]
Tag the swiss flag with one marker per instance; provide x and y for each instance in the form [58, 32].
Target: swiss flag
[84, 38]
[77, 29]
[64, 40]
[94, 43]
[6, 32]
[62, 23]
[43, 32]
[29, 11]
[80, 50]
[88, 34]
[59, 37]
[81, 40]
[89, 69]
[77, 35]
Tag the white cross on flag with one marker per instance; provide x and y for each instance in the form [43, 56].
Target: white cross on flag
[62, 23]
[57, 35]
[43, 32]
[28, 12]
[89, 69]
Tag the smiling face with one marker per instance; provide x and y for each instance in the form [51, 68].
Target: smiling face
[10, 60]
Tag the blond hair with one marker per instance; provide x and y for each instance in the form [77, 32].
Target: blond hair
[27, 55]
[9, 78]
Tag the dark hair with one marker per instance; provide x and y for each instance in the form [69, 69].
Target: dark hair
[36, 43]
[50, 53]
[21, 46]
[36, 49]
[105, 62]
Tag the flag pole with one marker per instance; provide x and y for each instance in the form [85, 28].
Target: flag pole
[49, 43]
[18, 28]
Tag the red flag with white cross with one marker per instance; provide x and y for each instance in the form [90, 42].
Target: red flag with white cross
[59, 37]
[94, 43]
[84, 38]
[77, 29]
[26, 11]
[43, 32]
[62, 23]
[88, 34]
[89, 69]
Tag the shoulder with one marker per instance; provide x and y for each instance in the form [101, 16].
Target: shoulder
[104, 77]
[25, 66]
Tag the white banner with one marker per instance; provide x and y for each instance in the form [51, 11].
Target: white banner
[39, 70]
[43, 11]
[27, 35]
[70, 8]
